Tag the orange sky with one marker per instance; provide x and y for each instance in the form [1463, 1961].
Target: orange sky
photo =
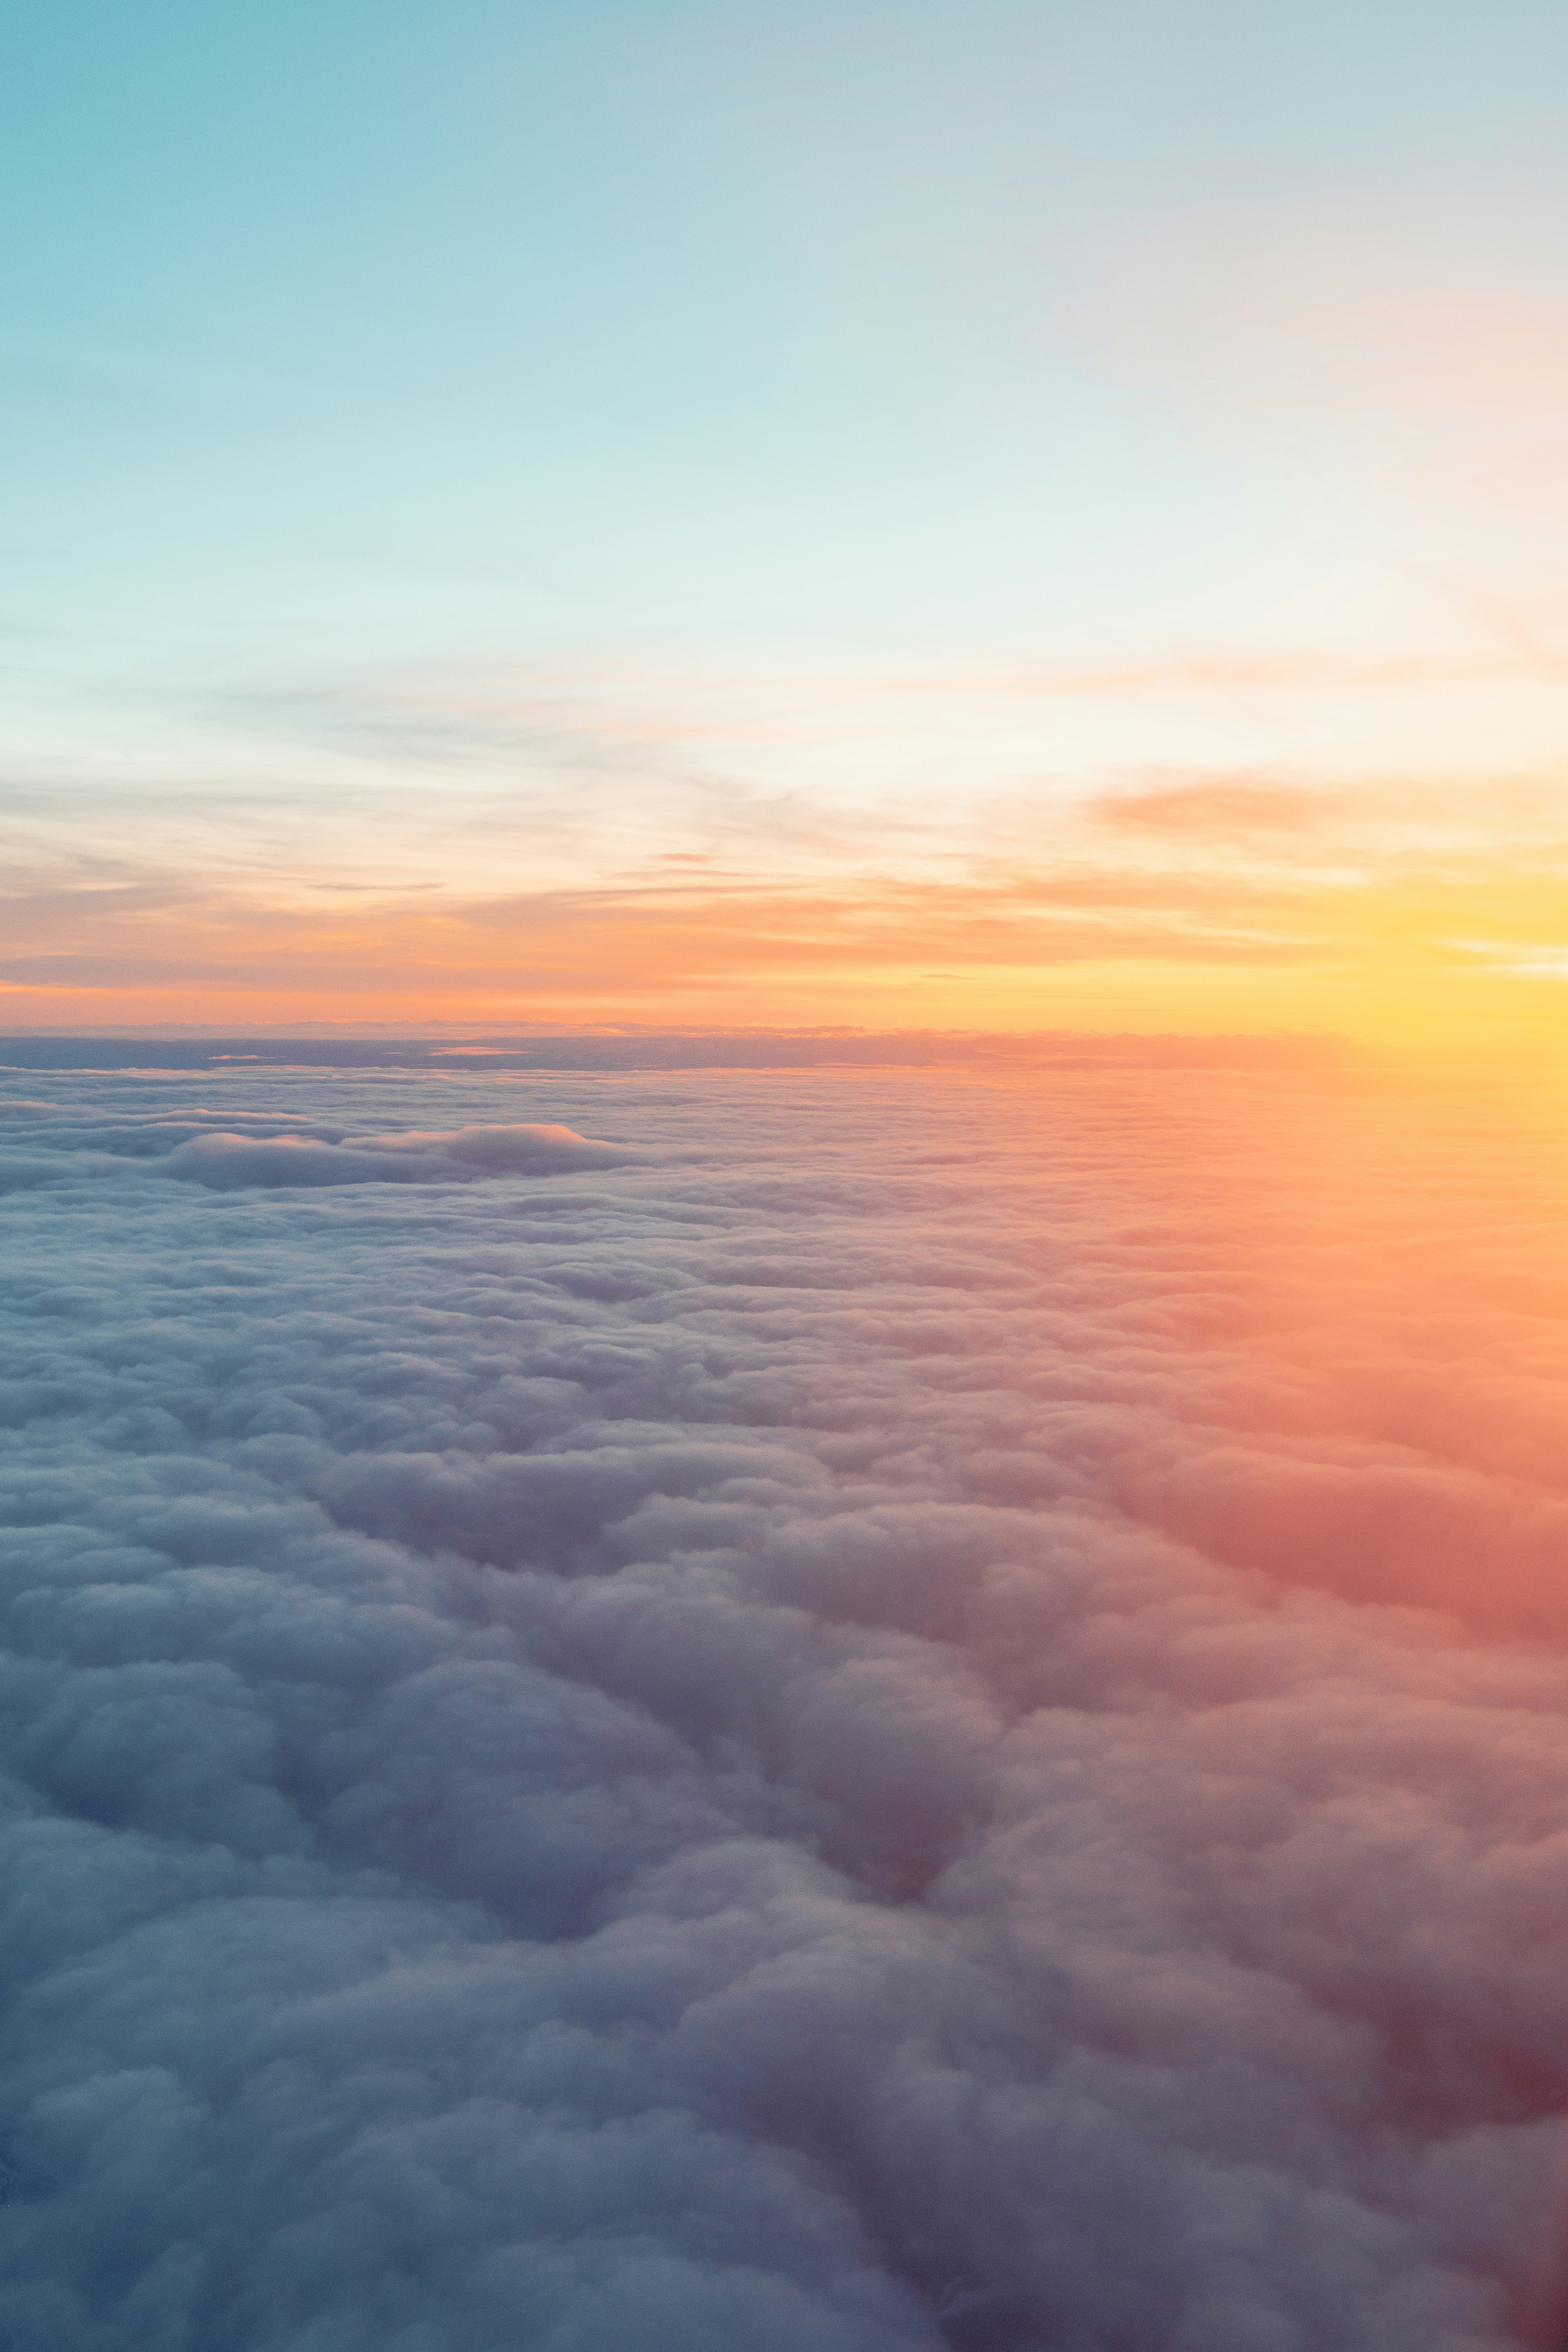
[1431, 920]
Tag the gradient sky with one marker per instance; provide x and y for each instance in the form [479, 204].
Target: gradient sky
[1000, 515]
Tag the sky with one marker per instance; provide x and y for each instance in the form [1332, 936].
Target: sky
[1004, 518]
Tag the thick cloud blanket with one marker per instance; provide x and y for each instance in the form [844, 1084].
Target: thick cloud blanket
[764, 1713]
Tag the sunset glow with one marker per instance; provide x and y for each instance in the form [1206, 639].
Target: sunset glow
[1073, 538]
[783, 1109]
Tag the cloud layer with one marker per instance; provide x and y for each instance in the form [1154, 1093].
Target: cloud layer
[867, 1713]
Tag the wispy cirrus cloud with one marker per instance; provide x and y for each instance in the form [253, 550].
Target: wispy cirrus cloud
[998, 851]
[1222, 809]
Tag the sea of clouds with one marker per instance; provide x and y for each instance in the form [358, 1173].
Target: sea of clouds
[835, 1712]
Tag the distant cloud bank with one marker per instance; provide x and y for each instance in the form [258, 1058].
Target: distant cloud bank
[632, 1049]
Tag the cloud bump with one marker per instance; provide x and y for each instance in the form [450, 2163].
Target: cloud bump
[835, 1713]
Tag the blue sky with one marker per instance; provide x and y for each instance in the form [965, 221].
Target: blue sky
[388, 330]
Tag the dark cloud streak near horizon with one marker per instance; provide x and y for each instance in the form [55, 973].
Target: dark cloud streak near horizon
[866, 1713]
